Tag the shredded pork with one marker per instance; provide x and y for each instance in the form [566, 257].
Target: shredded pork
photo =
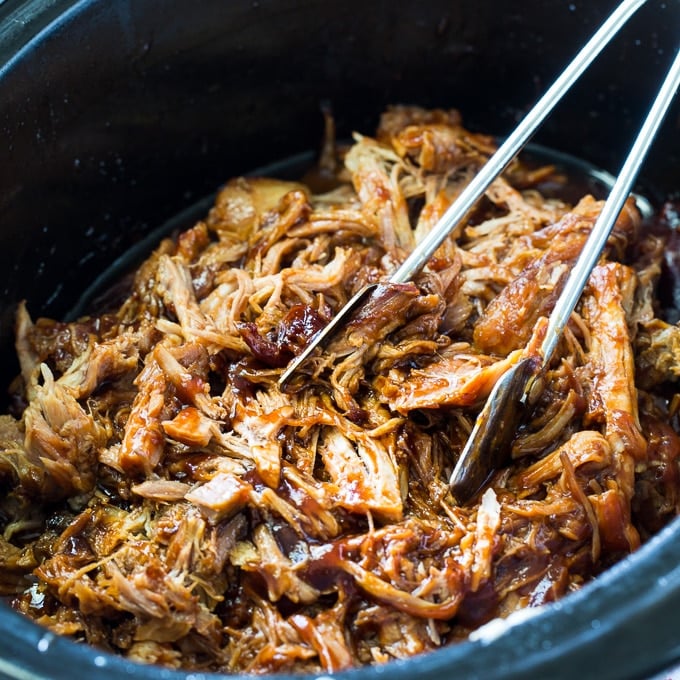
[167, 501]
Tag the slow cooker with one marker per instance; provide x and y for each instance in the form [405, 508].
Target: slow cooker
[119, 116]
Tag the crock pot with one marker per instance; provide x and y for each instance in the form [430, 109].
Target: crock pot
[118, 116]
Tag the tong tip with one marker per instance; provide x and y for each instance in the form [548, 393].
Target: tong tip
[489, 442]
[323, 337]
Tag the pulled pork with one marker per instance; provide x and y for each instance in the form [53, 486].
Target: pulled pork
[166, 500]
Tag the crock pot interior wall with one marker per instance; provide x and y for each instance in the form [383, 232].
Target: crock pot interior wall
[117, 115]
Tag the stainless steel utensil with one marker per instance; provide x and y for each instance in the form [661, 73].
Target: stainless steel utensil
[496, 425]
[480, 183]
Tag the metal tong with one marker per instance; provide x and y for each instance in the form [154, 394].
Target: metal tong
[488, 443]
